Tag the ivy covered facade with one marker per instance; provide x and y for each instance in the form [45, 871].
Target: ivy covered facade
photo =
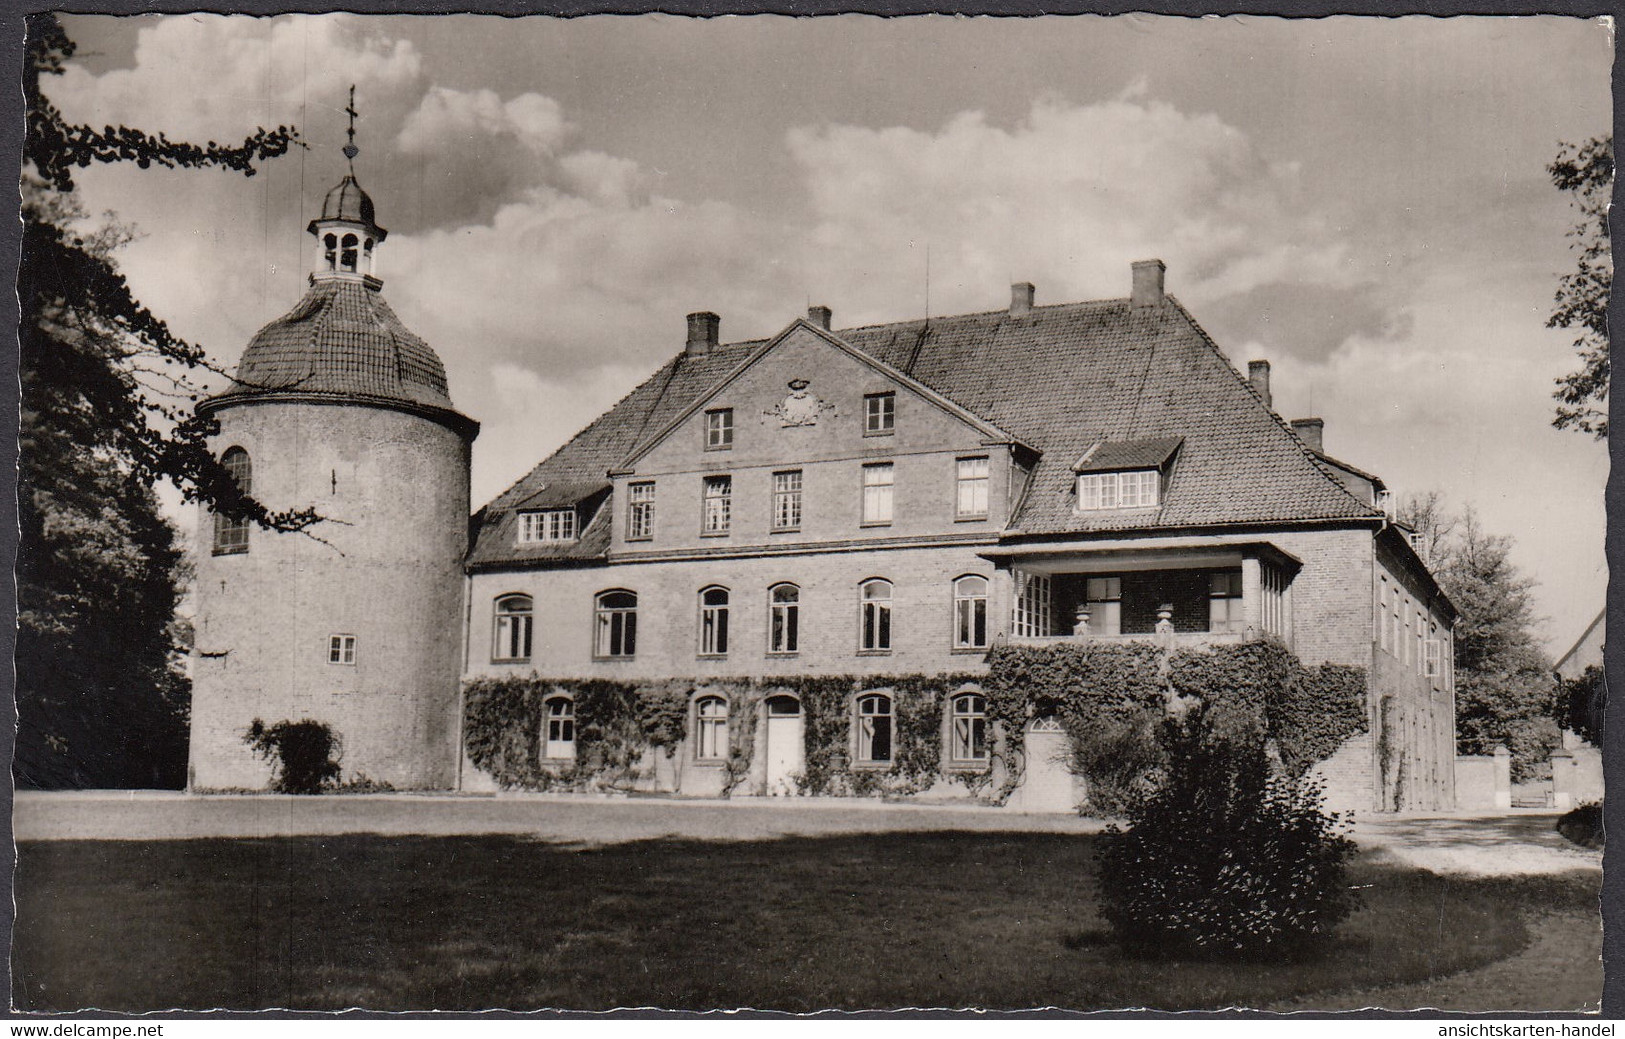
[969, 559]
[975, 557]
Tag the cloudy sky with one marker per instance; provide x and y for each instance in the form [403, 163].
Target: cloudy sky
[1362, 202]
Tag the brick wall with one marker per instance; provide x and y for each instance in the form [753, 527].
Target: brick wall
[396, 487]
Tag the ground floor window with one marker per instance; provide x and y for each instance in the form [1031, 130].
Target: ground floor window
[874, 729]
[711, 729]
[969, 744]
[1224, 609]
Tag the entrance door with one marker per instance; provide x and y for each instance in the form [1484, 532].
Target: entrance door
[786, 750]
[1047, 785]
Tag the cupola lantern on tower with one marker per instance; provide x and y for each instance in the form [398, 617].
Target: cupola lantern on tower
[346, 231]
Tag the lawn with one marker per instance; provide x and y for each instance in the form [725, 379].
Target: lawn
[935, 919]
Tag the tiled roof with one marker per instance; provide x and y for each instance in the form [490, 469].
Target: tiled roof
[1105, 456]
[1062, 379]
[342, 338]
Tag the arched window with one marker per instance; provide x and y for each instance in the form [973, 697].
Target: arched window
[617, 620]
[784, 620]
[970, 612]
[875, 607]
[710, 728]
[513, 625]
[347, 254]
[559, 733]
[714, 622]
[366, 256]
[874, 729]
[330, 251]
[969, 742]
[231, 535]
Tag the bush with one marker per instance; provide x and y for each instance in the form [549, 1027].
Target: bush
[305, 753]
[1224, 860]
[1583, 826]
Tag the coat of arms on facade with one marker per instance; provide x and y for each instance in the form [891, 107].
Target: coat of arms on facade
[800, 408]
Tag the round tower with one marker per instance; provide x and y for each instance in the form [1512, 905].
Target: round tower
[336, 407]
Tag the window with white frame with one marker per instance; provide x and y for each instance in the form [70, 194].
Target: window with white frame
[341, 649]
[1136, 489]
[1421, 638]
[1435, 656]
[719, 429]
[559, 729]
[787, 500]
[970, 489]
[714, 622]
[1103, 597]
[1272, 610]
[513, 628]
[547, 525]
[710, 729]
[875, 607]
[970, 612]
[877, 493]
[616, 634]
[231, 534]
[1383, 592]
[874, 730]
[1224, 611]
[640, 511]
[718, 497]
[1033, 616]
[784, 619]
[879, 413]
[968, 744]
[1395, 612]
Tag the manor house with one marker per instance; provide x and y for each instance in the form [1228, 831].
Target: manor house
[885, 502]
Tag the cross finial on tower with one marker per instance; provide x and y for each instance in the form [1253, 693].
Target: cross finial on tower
[350, 150]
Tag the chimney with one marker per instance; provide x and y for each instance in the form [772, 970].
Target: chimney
[702, 332]
[1311, 431]
[1147, 283]
[1258, 373]
[819, 317]
[1021, 299]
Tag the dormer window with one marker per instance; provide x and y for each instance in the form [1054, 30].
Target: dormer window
[1124, 474]
[1137, 489]
[547, 525]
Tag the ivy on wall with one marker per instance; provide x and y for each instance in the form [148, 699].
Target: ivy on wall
[1109, 697]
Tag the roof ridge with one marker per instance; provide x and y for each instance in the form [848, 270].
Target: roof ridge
[1282, 424]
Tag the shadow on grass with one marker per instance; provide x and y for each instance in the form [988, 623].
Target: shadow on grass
[876, 920]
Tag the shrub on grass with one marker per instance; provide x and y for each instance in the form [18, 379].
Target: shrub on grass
[1583, 826]
[305, 753]
[1224, 860]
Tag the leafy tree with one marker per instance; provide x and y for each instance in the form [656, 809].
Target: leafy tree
[1503, 683]
[1581, 703]
[106, 413]
[1582, 294]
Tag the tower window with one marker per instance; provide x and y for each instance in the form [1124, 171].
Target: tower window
[330, 251]
[347, 259]
[341, 649]
[231, 535]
